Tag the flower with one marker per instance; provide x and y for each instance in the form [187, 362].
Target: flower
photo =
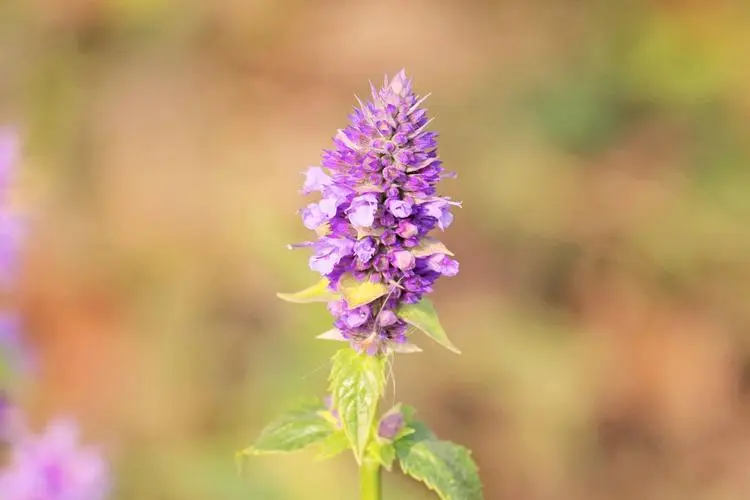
[379, 201]
[390, 425]
[52, 466]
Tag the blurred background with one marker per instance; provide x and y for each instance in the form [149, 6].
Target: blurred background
[602, 151]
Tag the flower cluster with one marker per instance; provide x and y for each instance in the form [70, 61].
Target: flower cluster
[378, 204]
[51, 465]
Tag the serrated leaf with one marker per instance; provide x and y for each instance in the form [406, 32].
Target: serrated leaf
[384, 452]
[443, 466]
[408, 413]
[332, 445]
[430, 246]
[357, 384]
[423, 316]
[319, 292]
[294, 430]
[357, 293]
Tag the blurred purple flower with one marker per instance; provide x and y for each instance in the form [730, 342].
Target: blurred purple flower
[390, 425]
[52, 466]
[12, 421]
[379, 200]
[10, 228]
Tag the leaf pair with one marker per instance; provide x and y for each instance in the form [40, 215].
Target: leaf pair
[442, 466]
[422, 315]
[356, 293]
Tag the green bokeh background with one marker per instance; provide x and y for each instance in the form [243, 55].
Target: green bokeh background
[602, 151]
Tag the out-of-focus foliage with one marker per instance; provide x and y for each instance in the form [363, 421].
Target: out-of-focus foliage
[602, 304]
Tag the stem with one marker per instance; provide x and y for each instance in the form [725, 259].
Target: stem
[369, 479]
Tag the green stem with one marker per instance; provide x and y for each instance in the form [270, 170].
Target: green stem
[369, 479]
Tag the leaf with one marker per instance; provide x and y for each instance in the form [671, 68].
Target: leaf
[332, 445]
[363, 232]
[403, 348]
[319, 292]
[429, 246]
[357, 384]
[294, 430]
[384, 452]
[332, 334]
[362, 292]
[423, 316]
[443, 466]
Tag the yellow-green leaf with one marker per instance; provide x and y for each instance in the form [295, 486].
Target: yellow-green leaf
[332, 334]
[362, 292]
[403, 348]
[294, 430]
[357, 384]
[429, 246]
[423, 316]
[319, 292]
[444, 467]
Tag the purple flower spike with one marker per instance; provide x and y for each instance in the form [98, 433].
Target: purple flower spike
[53, 467]
[379, 201]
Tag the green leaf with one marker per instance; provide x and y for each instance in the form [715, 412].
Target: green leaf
[333, 445]
[429, 246]
[294, 430]
[444, 467]
[418, 431]
[319, 292]
[362, 292]
[357, 384]
[384, 452]
[423, 316]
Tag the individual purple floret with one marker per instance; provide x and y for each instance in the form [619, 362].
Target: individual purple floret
[379, 202]
[52, 466]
